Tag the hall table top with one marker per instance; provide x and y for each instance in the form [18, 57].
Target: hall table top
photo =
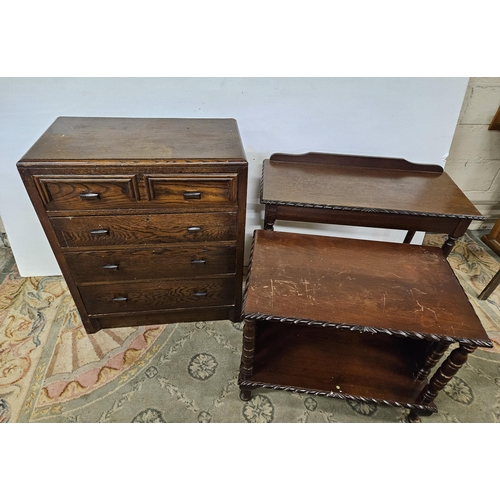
[363, 183]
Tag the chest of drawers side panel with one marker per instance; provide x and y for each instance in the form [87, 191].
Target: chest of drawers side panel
[235, 314]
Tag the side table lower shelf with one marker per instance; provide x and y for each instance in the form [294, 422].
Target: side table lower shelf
[341, 364]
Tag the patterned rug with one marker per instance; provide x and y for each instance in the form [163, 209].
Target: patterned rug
[474, 265]
[52, 371]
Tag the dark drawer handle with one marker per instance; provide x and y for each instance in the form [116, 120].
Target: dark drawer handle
[192, 195]
[120, 299]
[193, 229]
[99, 232]
[198, 261]
[89, 196]
[110, 266]
[200, 294]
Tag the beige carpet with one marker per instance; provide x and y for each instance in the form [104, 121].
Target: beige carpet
[52, 371]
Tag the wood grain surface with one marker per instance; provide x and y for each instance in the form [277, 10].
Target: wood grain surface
[157, 295]
[151, 263]
[144, 229]
[358, 282]
[364, 366]
[342, 184]
[77, 138]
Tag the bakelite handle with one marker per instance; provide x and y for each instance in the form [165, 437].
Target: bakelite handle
[192, 195]
[110, 266]
[89, 196]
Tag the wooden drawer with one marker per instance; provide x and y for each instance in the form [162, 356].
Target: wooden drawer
[88, 193]
[157, 295]
[151, 263]
[134, 230]
[192, 191]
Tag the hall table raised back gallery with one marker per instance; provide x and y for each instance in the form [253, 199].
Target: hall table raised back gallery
[354, 319]
[365, 191]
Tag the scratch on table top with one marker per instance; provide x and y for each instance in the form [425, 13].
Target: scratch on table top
[391, 273]
[422, 308]
[288, 287]
[313, 289]
[307, 290]
[412, 290]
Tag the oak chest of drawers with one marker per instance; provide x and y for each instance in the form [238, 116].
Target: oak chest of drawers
[146, 216]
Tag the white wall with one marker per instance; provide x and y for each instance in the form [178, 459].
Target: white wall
[411, 118]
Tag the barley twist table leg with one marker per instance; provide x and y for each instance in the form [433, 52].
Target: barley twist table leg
[434, 354]
[247, 356]
[443, 375]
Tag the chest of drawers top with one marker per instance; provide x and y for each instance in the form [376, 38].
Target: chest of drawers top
[86, 140]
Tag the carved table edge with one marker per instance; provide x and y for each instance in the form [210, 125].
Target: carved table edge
[367, 329]
[330, 394]
[369, 210]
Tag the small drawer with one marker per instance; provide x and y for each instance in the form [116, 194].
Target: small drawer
[151, 263]
[88, 193]
[192, 191]
[157, 295]
[139, 230]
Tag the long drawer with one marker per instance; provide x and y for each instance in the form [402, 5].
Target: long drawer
[187, 261]
[157, 295]
[157, 229]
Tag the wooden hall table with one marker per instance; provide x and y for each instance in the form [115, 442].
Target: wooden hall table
[365, 191]
[357, 319]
